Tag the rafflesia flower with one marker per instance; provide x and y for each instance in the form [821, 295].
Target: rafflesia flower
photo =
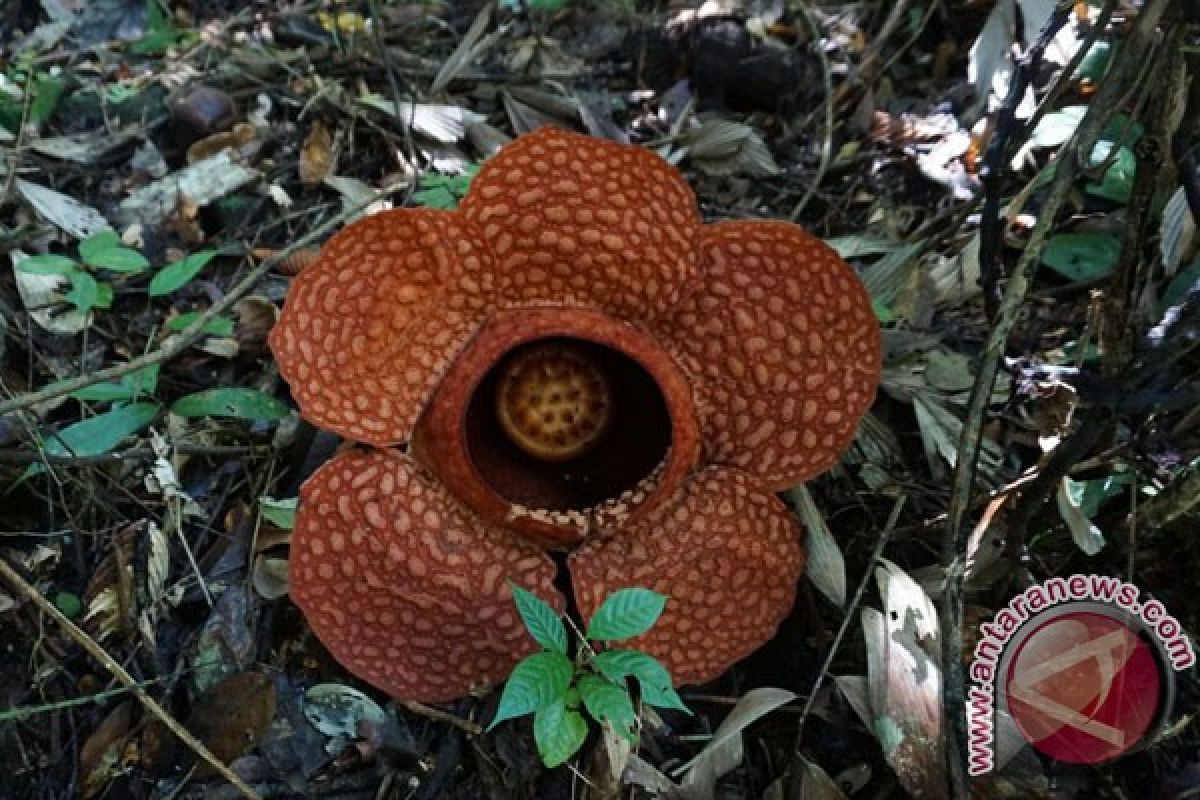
[570, 364]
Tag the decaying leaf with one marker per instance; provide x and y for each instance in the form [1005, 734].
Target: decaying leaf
[336, 710]
[904, 682]
[316, 155]
[75, 218]
[1088, 537]
[233, 715]
[100, 755]
[825, 567]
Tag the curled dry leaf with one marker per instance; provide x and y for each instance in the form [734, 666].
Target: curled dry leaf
[316, 155]
[101, 752]
[826, 567]
[336, 710]
[270, 577]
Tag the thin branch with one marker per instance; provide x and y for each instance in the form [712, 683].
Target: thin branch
[23, 587]
[1075, 155]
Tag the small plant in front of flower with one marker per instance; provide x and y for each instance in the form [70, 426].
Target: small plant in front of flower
[557, 689]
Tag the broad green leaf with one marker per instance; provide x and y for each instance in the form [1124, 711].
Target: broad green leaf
[178, 273]
[536, 682]
[281, 512]
[882, 312]
[1095, 61]
[559, 733]
[626, 613]
[652, 676]
[101, 433]
[98, 242]
[118, 259]
[48, 91]
[605, 700]
[217, 326]
[542, 621]
[1117, 182]
[237, 403]
[85, 291]
[48, 264]
[438, 197]
[1082, 256]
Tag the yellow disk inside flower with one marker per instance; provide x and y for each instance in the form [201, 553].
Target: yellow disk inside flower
[553, 401]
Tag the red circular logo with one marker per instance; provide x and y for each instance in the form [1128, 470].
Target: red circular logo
[1083, 686]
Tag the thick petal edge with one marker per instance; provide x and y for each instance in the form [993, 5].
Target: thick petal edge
[406, 588]
[726, 553]
[784, 345]
[369, 328]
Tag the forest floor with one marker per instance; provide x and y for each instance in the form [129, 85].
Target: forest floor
[1015, 184]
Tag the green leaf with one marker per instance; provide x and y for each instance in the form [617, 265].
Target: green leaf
[142, 381]
[653, 678]
[606, 701]
[1082, 256]
[178, 273]
[118, 259]
[1095, 61]
[626, 613]
[48, 264]
[68, 603]
[438, 197]
[217, 326]
[160, 33]
[559, 733]
[882, 312]
[1117, 182]
[536, 682]
[1181, 285]
[280, 513]
[98, 242]
[101, 433]
[236, 403]
[85, 291]
[542, 621]
[48, 91]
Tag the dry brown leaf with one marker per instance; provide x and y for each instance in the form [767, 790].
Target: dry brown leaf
[316, 155]
[233, 715]
[101, 752]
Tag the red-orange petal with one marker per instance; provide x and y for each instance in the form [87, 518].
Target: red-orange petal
[407, 589]
[368, 330]
[578, 221]
[784, 344]
[726, 552]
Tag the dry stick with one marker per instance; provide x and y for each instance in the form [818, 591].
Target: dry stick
[97, 652]
[884, 538]
[1076, 152]
[827, 104]
[174, 345]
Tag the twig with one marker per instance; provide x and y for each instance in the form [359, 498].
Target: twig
[990, 175]
[174, 345]
[24, 712]
[22, 457]
[1075, 153]
[884, 538]
[827, 105]
[14, 579]
[464, 725]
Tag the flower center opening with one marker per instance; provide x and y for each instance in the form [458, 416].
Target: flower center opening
[553, 400]
[564, 424]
